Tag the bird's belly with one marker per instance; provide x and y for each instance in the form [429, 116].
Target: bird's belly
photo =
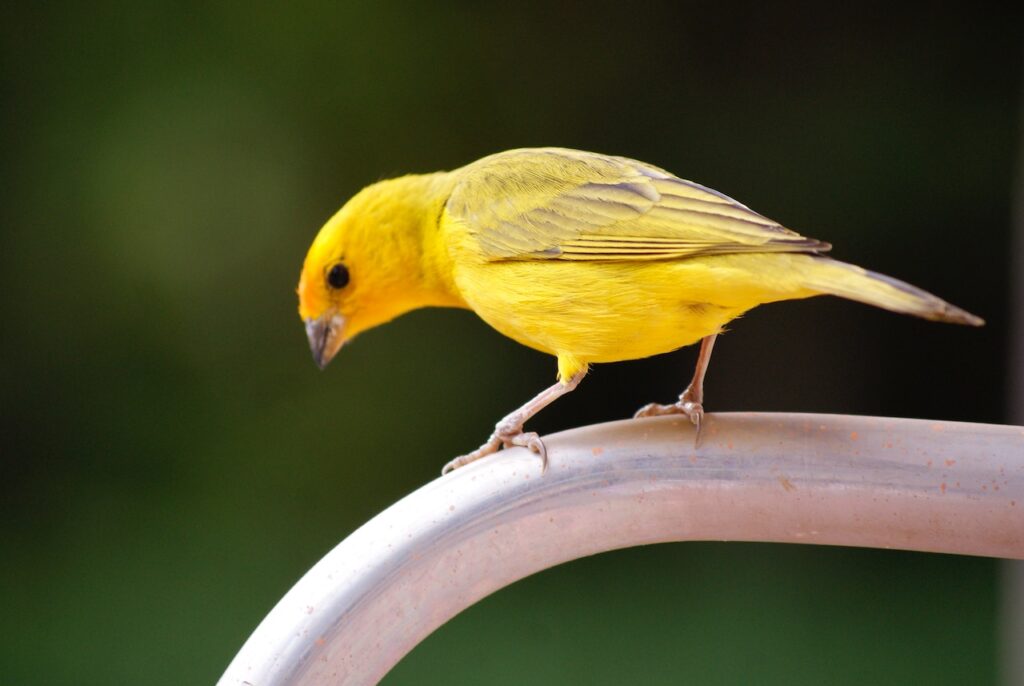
[597, 312]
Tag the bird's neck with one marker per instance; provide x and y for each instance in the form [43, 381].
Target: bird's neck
[415, 208]
[408, 258]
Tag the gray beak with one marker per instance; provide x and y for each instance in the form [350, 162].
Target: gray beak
[325, 337]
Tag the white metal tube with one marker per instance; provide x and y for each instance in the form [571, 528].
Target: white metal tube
[839, 480]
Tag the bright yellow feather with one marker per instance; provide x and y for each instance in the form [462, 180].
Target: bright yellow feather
[588, 257]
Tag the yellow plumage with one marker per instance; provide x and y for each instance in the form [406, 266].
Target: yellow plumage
[587, 257]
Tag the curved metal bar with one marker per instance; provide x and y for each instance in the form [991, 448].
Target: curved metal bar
[839, 480]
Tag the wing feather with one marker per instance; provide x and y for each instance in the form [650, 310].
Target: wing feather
[553, 203]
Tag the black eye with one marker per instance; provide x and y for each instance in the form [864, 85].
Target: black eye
[338, 276]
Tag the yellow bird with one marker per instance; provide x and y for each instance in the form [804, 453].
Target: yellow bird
[588, 257]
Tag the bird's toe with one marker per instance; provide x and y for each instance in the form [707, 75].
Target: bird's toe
[489, 448]
[654, 410]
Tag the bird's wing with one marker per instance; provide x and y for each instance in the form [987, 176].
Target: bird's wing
[552, 203]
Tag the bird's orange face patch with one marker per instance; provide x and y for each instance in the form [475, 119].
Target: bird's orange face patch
[314, 300]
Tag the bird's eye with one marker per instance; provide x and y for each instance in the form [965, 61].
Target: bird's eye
[337, 277]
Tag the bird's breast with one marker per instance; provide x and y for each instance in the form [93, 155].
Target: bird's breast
[598, 312]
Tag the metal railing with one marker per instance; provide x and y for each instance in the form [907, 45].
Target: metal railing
[826, 479]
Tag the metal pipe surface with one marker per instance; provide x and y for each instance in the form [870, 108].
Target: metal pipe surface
[839, 480]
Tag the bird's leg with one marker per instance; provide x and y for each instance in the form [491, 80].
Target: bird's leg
[509, 431]
[691, 402]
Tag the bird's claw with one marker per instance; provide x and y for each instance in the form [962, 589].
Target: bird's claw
[531, 441]
[694, 411]
[504, 436]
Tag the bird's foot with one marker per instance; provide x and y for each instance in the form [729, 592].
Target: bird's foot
[506, 435]
[686, 405]
[694, 411]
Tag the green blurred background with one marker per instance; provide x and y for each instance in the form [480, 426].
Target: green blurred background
[172, 460]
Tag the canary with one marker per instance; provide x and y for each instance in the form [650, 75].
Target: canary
[588, 257]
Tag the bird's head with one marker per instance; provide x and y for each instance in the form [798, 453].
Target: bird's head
[366, 266]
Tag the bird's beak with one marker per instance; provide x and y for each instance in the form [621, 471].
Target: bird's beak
[326, 334]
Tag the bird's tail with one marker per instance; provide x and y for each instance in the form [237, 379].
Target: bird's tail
[830, 276]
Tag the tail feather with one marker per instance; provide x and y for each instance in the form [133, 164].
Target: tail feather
[854, 283]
